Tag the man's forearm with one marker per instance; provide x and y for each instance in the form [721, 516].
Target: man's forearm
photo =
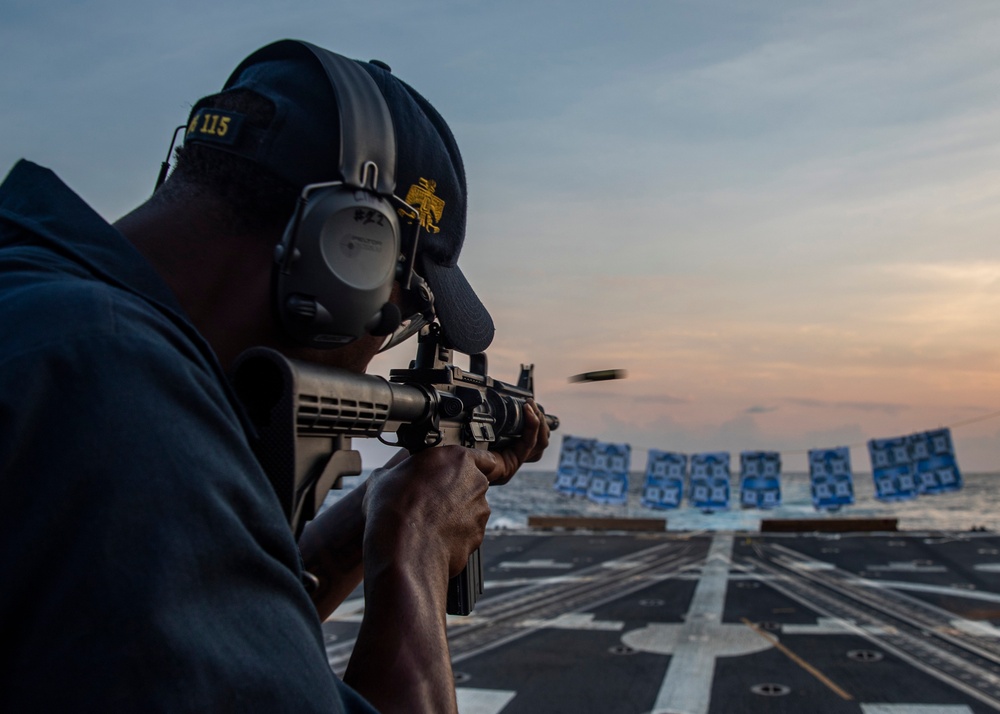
[331, 546]
[331, 550]
[401, 661]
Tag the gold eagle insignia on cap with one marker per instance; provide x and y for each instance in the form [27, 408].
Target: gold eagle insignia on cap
[430, 207]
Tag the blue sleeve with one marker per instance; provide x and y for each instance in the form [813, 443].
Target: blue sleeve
[145, 563]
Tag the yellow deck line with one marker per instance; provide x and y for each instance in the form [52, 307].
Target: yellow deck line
[799, 661]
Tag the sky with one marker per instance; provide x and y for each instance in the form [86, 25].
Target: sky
[779, 218]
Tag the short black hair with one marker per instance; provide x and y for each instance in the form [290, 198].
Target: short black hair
[250, 194]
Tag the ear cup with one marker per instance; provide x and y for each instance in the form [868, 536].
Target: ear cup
[334, 285]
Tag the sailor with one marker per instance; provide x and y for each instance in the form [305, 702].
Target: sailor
[145, 562]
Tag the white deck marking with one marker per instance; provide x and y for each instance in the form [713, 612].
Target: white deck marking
[915, 709]
[687, 686]
[534, 563]
[482, 701]
[823, 626]
[835, 626]
[550, 580]
[812, 565]
[575, 621]
[618, 564]
[976, 628]
[906, 567]
[936, 589]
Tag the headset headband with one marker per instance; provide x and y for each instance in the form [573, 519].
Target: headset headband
[366, 130]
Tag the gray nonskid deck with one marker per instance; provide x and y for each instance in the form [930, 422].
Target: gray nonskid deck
[900, 623]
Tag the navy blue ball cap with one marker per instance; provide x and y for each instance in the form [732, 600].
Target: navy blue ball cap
[302, 146]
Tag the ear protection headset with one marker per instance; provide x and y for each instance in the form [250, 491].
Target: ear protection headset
[342, 249]
[335, 266]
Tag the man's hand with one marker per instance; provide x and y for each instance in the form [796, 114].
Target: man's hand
[429, 508]
[441, 492]
[527, 449]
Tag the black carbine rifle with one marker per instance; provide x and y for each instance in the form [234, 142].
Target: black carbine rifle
[306, 415]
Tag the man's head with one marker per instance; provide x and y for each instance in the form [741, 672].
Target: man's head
[283, 122]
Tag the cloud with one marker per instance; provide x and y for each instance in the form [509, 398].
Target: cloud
[600, 395]
[884, 407]
[661, 399]
[760, 410]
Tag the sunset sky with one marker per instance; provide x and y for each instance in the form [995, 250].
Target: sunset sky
[780, 218]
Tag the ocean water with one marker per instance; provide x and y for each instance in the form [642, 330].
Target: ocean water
[976, 505]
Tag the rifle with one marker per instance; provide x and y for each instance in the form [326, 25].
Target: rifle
[306, 415]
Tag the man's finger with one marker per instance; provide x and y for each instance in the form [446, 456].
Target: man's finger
[541, 441]
[500, 466]
[489, 463]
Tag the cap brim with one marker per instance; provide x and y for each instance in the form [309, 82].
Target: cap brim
[466, 323]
